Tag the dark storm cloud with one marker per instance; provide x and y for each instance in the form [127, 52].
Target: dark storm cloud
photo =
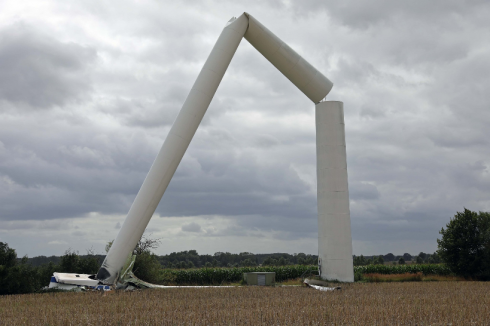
[39, 70]
[237, 185]
[54, 169]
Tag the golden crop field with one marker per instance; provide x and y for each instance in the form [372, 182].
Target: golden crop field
[411, 303]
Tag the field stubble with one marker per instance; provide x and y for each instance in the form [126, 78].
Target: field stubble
[417, 303]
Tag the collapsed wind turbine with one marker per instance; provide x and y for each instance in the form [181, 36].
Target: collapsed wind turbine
[335, 244]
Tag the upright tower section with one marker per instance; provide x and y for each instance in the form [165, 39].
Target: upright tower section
[334, 233]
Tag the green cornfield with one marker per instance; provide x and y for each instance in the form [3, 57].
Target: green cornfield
[204, 276]
[426, 269]
[207, 276]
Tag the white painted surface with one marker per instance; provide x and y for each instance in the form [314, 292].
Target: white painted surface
[75, 279]
[334, 230]
[173, 148]
[302, 74]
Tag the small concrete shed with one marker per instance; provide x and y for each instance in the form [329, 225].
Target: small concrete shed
[260, 278]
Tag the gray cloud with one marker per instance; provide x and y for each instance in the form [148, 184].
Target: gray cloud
[86, 104]
[41, 71]
[382, 13]
[191, 227]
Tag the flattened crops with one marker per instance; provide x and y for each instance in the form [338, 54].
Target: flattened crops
[417, 303]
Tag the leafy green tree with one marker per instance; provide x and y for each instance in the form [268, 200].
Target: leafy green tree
[360, 261]
[146, 267]
[15, 277]
[401, 261]
[44, 273]
[465, 246]
[389, 257]
[269, 261]
[8, 256]
[70, 262]
[407, 257]
[248, 262]
[89, 264]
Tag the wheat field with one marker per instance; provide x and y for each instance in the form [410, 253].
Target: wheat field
[410, 303]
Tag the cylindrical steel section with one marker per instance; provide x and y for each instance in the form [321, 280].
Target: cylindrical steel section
[173, 149]
[302, 74]
[334, 231]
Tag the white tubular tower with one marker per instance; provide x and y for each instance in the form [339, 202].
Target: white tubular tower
[334, 231]
[173, 149]
[308, 79]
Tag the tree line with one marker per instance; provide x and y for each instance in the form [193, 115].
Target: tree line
[421, 258]
[191, 259]
[19, 276]
[464, 247]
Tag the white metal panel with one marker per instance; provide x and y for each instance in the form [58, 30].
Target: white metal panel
[261, 279]
[333, 156]
[334, 179]
[261, 38]
[207, 82]
[334, 229]
[308, 79]
[173, 149]
[75, 279]
[335, 202]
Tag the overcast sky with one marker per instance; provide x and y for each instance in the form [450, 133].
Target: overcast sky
[89, 90]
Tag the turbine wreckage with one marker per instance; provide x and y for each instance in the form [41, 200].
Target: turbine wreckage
[335, 243]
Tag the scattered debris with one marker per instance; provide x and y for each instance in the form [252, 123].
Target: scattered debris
[320, 285]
